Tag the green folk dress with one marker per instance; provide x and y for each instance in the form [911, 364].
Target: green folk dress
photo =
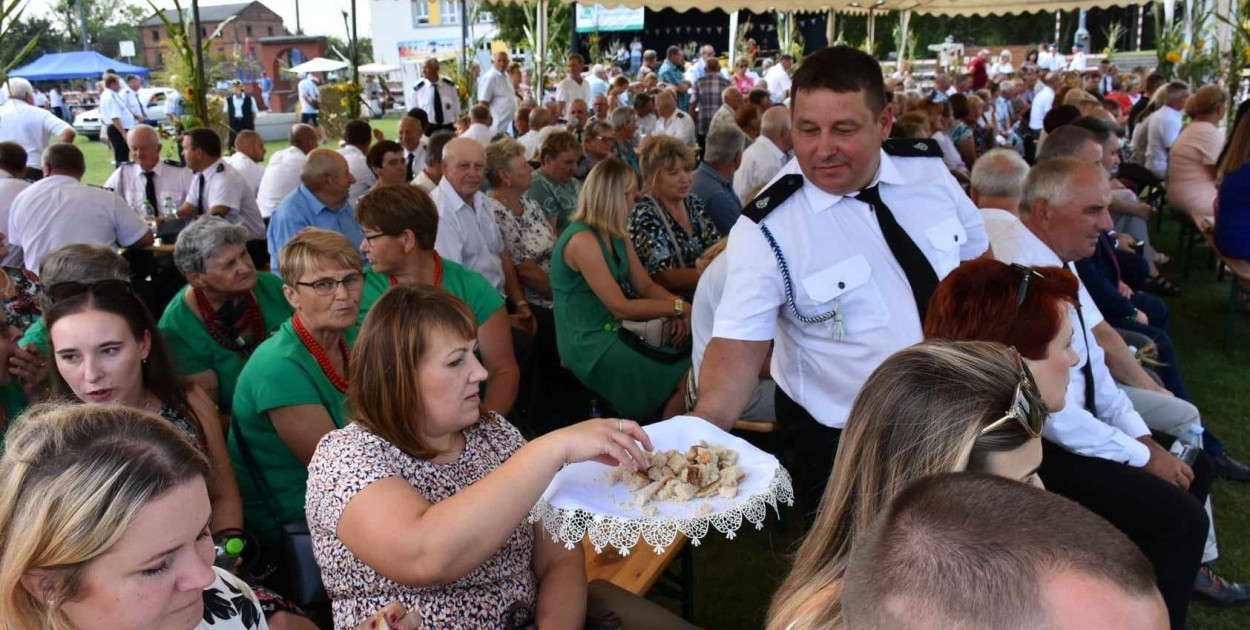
[636, 385]
[466, 284]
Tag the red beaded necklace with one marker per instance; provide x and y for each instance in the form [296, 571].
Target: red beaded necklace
[338, 381]
[438, 272]
[230, 339]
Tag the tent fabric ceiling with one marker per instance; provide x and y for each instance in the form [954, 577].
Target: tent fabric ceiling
[924, 7]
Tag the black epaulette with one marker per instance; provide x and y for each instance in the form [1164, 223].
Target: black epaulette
[126, 163]
[773, 196]
[681, 114]
[420, 84]
[915, 147]
[174, 163]
[220, 167]
[448, 81]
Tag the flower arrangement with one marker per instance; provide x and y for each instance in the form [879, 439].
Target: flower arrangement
[181, 44]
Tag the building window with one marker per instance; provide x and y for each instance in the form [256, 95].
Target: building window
[420, 12]
[203, 32]
[270, 31]
[449, 11]
[248, 28]
[156, 35]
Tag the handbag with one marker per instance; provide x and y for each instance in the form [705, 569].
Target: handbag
[299, 576]
[649, 335]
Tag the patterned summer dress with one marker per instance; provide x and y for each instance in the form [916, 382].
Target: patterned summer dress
[526, 238]
[21, 305]
[501, 593]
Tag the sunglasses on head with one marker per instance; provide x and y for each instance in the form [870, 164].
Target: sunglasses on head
[1026, 408]
[62, 291]
[1027, 274]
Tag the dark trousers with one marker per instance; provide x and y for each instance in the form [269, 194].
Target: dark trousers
[1166, 522]
[117, 141]
[809, 450]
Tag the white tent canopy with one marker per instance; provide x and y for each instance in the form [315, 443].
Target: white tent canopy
[318, 64]
[377, 68]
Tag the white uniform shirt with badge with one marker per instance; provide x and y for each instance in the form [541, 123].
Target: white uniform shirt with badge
[760, 163]
[838, 260]
[359, 168]
[1113, 434]
[30, 127]
[112, 106]
[420, 156]
[224, 186]
[251, 171]
[129, 183]
[449, 96]
[680, 125]
[131, 99]
[59, 210]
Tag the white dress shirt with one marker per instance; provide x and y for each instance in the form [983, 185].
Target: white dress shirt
[131, 99]
[1113, 434]
[281, 177]
[1042, 102]
[10, 187]
[468, 235]
[129, 183]
[495, 89]
[423, 181]
[308, 91]
[778, 83]
[1078, 62]
[59, 210]
[251, 171]
[112, 106]
[359, 168]
[420, 156]
[30, 127]
[838, 260]
[646, 125]
[479, 132]
[449, 95]
[569, 90]
[533, 141]
[760, 163]
[224, 186]
[680, 125]
[1162, 129]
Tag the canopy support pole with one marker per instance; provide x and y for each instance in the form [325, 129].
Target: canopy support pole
[831, 26]
[200, 102]
[904, 21]
[465, 53]
[1141, 17]
[1189, 24]
[353, 48]
[733, 38]
[872, 31]
[1058, 32]
[540, 55]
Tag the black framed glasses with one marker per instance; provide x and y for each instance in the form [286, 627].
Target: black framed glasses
[1026, 276]
[327, 286]
[62, 291]
[1027, 407]
[370, 237]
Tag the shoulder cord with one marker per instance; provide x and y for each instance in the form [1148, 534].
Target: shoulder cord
[839, 329]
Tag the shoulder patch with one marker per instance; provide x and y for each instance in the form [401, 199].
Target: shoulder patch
[773, 196]
[447, 81]
[916, 147]
[681, 114]
[221, 167]
[174, 163]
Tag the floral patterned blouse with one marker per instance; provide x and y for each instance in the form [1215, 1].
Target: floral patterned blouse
[230, 604]
[21, 305]
[526, 238]
[497, 594]
[649, 226]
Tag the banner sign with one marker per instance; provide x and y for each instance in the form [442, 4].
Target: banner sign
[616, 19]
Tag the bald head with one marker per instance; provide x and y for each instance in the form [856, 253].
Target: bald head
[304, 137]
[326, 174]
[775, 125]
[732, 97]
[665, 103]
[145, 146]
[539, 117]
[251, 144]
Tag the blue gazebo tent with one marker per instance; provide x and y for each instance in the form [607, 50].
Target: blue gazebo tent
[83, 64]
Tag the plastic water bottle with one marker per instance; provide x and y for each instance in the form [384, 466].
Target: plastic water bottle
[1186, 447]
[227, 551]
[169, 209]
[149, 215]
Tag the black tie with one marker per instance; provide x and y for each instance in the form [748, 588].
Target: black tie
[1087, 370]
[149, 189]
[916, 267]
[438, 108]
[411, 156]
[199, 199]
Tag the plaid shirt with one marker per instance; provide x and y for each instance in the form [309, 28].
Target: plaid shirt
[707, 94]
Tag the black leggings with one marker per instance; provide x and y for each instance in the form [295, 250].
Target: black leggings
[809, 450]
[1166, 522]
[117, 140]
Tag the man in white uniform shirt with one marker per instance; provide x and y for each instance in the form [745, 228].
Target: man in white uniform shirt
[218, 189]
[467, 232]
[59, 210]
[12, 183]
[282, 173]
[309, 100]
[357, 136]
[249, 158]
[672, 121]
[1164, 126]
[835, 261]
[767, 155]
[130, 95]
[778, 79]
[1078, 63]
[148, 178]
[411, 135]
[115, 117]
[30, 126]
[437, 96]
[495, 91]
[574, 86]
[480, 124]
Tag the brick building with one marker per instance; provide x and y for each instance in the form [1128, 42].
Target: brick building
[254, 21]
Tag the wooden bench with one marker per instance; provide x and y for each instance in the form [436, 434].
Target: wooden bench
[643, 568]
[1240, 268]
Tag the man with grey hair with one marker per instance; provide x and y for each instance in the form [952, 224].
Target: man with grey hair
[282, 175]
[713, 179]
[1071, 141]
[148, 179]
[494, 90]
[671, 120]
[30, 126]
[320, 201]
[767, 155]
[997, 183]
[540, 127]
[731, 100]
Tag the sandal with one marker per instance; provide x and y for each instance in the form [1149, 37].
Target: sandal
[1161, 286]
[1161, 258]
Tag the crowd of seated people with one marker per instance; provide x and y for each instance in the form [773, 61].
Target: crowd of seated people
[391, 348]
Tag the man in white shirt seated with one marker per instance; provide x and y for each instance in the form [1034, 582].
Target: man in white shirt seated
[541, 126]
[767, 155]
[495, 91]
[282, 173]
[467, 232]
[997, 182]
[30, 126]
[147, 179]
[249, 158]
[357, 137]
[1043, 101]
[672, 121]
[1164, 126]
[410, 133]
[479, 125]
[644, 107]
[778, 78]
[219, 190]
[731, 100]
[12, 183]
[59, 210]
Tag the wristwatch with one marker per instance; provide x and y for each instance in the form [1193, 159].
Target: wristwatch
[679, 307]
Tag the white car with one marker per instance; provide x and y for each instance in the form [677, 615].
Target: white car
[88, 123]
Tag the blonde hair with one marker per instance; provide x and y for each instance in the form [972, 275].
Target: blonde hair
[73, 479]
[314, 248]
[1077, 96]
[604, 203]
[919, 413]
[660, 152]
[1207, 100]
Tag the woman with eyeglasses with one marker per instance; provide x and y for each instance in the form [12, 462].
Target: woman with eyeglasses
[224, 312]
[938, 406]
[293, 388]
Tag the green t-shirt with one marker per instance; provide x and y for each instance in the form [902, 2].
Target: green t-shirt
[466, 284]
[281, 373]
[194, 350]
[37, 334]
[557, 200]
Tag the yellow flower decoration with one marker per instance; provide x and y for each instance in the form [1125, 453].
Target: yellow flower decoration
[1184, 46]
[1202, 43]
[1173, 57]
[343, 102]
[1247, 51]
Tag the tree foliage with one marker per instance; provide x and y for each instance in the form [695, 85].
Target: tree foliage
[109, 22]
[511, 21]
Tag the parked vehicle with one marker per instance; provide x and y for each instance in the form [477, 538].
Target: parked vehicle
[88, 123]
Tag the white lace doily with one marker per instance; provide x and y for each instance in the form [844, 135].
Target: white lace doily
[581, 502]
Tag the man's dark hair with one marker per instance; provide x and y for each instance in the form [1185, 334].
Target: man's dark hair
[1153, 81]
[967, 550]
[1065, 141]
[1060, 116]
[434, 148]
[756, 97]
[358, 133]
[206, 140]
[785, 57]
[419, 114]
[841, 69]
[377, 153]
[959, 106]
[1102, 128]
[642, 100]
[13, 158]
[672, 50]
[65, 158]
